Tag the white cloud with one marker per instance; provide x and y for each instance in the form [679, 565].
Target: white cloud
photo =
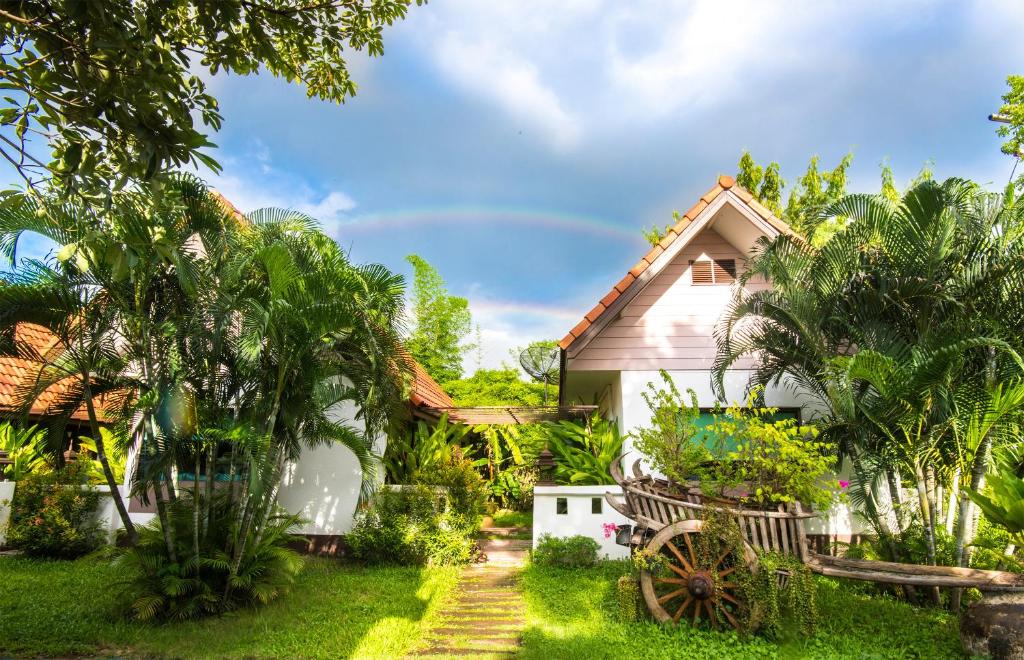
[502, 76]
[265, 186]
[575, 68]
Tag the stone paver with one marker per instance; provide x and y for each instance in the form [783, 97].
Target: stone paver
[487, 616]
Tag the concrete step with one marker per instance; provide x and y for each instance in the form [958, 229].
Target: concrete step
[504, 531]
[505, 544]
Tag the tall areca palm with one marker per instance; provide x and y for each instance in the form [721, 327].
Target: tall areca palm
[884, 324]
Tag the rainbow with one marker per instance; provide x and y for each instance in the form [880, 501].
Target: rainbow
[465, 214]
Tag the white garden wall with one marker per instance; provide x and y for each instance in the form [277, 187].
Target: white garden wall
[579, 517]
[323, 486]
[6, 495]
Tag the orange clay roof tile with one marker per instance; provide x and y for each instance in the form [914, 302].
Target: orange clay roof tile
[639, 268]
[426, 391]
[15, 372]
[595, 313]
[624, 283]
[610, 297]
[656, 251]
[724, 183]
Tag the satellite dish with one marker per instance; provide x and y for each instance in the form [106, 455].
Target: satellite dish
[541, 362]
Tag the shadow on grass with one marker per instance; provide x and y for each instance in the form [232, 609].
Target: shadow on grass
[334, 610]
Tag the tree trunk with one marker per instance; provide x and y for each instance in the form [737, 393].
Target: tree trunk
[954, 492]
[101, 455]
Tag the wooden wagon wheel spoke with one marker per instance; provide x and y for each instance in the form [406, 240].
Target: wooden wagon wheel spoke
[728, 585]
[726, 554]
[696, 613]
[711, 613]
[682, 560]
[689, 546]
[731, 619]
[722, 574]
[672, 594]
[678, 571]
[679, 613]
[729, 598]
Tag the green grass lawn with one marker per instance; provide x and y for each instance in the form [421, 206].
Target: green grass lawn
[572, 614]
[508, 518]
[334, 610]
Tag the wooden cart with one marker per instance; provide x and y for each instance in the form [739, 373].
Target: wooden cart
[668, 520]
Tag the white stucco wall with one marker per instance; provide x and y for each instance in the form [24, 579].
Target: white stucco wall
[6, 495]
[323, 486]
[579, 518]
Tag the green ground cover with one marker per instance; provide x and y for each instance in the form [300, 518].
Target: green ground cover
[571, 613]
[334, 610]
[508, 518]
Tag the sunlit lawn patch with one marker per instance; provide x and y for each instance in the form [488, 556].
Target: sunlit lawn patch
[334, 610]
[572, 614]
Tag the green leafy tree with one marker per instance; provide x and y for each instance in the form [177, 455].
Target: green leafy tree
[497, 387]
[111, 88]
[750, 174]
[1012, 110]
[770, 192]
[441, 323]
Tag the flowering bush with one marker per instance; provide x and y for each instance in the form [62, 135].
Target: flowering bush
[53, 516]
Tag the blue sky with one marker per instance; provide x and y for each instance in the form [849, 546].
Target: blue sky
[520, 146]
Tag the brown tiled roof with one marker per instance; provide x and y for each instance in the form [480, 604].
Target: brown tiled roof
[724, 183]
[425, 390]
[15, 371]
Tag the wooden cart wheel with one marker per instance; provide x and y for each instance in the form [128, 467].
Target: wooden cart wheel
[687, 588]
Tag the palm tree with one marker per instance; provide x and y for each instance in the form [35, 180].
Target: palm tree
[887, 325]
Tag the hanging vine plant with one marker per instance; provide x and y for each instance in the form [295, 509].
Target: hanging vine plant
[781, 589]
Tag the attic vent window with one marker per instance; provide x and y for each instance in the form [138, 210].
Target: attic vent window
[713, 271]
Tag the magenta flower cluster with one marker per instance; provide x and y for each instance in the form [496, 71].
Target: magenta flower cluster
[609, 529]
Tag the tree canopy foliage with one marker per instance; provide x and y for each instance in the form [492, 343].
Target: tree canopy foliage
[204, 330]
[441, 323]
[497, 387]
[112, 87]
[1012, 110]
[906, 328]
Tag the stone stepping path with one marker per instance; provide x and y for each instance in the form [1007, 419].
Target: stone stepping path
[505, 552]
[487, 615]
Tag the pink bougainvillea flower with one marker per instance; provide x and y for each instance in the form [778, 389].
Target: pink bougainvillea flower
[844, 484]
[609, 529]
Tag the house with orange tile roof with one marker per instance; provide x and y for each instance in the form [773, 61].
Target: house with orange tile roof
[661, 315]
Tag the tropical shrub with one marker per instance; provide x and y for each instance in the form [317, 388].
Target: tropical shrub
[670, 440]
[464, 487]
[1002, 502]
[569, 551]
[25, 447]
[217, 343]
[584, 454]
[752, 455]
[429, 445]
[412, 525]
[54, 514]
[193, 584]
[774, 461]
